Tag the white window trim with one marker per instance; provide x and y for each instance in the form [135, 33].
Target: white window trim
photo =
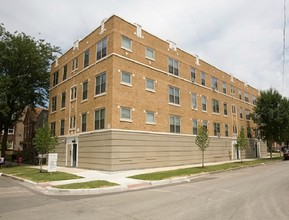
[151, 123]
[154, 55]
[127, 49]
[125, 83]
[130, 113]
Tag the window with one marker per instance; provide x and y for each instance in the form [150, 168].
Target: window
[55, 78]
[240, 94]
[62, 126]
[53, 103]
[84, 90]
[194, 101]
[203, 78]
[174, 95]
[126, 43]
[232, 90]
[217, 129]
[234, 110]
[173, 66]
[101, 49]
[241, 112]
[175, 124]
[226, 130]
[10, 145]
[214, 82]
[249, 132]
[235, 130]
[73, 93]
[225, 109]
[248, 114]
[195, 126]
[125, 114]
[150, 117]
[10, 130]
[150, 53]
[63, 99]
[100, 83]
[64, 76]
[224, 85]
[150, 84]
[246, 97]
[193, 74]
[99, 119]
[126, 78]
[205, 124]
[204, 103]
[83, 122]
[72, 122]
[216, 106]
[254, 100]
[52, 127]
[75, 63]
[86, 58]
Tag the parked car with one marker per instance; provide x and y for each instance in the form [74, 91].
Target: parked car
[286, 154]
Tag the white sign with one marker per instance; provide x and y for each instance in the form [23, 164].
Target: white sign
[52, 162]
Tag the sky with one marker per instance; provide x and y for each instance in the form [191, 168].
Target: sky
[241, 37]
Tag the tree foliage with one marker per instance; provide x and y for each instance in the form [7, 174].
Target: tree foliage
[24, 76]
[44, 141]
[271, 114]
[202, 141]
[242, 142]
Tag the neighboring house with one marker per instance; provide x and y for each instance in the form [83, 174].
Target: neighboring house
[34, 119]
[122, 98]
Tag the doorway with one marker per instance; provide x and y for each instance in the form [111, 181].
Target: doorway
[74, 155]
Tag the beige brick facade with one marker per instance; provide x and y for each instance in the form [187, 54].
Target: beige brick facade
[118, 79]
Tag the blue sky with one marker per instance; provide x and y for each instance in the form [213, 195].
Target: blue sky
[240, 37]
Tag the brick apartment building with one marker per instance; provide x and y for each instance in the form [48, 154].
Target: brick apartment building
[121, 98]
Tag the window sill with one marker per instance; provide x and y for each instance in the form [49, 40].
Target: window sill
[173, 104]
[150, 123]
[62, 109]
[126, 120]
[85, 100]
[205, 111]
[127, 49]
[72, 100]
[150, 90]
[195, 109]
[150, 59]
[126, 84]
[53, 112]
[99, 95]
[216, 113]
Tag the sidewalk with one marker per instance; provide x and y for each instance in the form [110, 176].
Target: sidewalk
[119, 177]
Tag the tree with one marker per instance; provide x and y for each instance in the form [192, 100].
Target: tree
[242, 143]
[44, 141]
[203, 141]
[24, 76]
[271, 114]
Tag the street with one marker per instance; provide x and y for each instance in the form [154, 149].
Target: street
[260, 192]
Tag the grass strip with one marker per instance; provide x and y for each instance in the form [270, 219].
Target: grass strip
[87, 185]
[35, 175]
[196, 170]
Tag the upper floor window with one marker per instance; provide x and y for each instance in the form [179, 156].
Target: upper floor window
[205, 124]
[64, 76]
[241, 112]
[226, 130]
[86, 58]
[99, 119]
[217, 130]
[232, 90]
[62, 126]
[63, 99]
[101, 49]
[10, 130]
[224, 85]
[150, 53]
[55, 78]
[254, 100]
[214, 83]
[246, 97]
[83, 122]
[53, 103]
[194, 101]
[240, 94]
[100, 83]
[175, 124]
[234, 111]
[126, 78]
[173, 66]
[193, 74]
[126, 43]
[84, 90]
[52, 127]
[203, 78]
[174, 95]
[195, 126]
[73, 93]
[75, 63]
[216, 106]
[150, 117]
[204, 103]
[225, 108]
[248, 114]
[125, 114]
[72, 122]
[150, 84]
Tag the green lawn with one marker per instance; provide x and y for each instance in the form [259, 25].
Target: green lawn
[87, 185]
[35, 176]
[195, 170]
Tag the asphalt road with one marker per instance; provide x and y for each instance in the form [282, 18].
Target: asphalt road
[252, 193]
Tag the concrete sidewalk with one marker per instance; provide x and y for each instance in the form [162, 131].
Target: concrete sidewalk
[120, 177]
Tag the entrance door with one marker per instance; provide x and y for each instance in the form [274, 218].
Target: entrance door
[74, 155]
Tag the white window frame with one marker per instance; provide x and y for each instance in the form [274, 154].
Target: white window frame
[194, 101]
[153, 116]
[124, 73]
[126, 119]
[73, 93]
[204, 98]
[150, 53]
[176, 96]
[153, 83]
[125, 40]
[195, 126]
